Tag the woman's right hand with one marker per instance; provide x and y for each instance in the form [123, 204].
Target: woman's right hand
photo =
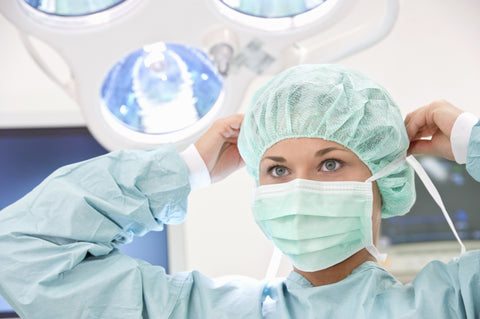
[218, 147]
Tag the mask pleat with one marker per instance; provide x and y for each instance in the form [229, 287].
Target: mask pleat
[298, 247]
[298, 227]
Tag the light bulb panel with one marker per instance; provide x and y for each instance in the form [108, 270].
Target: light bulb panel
[161, 88]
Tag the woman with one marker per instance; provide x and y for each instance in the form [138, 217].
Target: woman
[308, 131]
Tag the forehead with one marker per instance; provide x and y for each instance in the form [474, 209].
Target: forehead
[304, 145]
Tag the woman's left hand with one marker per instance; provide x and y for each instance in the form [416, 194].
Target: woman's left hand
[436, 121]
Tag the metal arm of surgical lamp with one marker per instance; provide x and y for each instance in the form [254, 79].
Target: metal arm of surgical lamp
[312, 50]
[67, 85]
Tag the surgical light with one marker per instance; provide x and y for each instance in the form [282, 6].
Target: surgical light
[150, 72]
[78, 14]
[72, 8]
[162, 88]
[276, 15]
[272, 8]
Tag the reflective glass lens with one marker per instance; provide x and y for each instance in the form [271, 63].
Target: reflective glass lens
[272, 8]
[162, 88]
[72, 8]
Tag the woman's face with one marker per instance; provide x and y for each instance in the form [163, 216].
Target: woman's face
[318, 160]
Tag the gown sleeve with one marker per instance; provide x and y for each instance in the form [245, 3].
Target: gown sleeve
[473, 153]
[58, 244]
[469, 265]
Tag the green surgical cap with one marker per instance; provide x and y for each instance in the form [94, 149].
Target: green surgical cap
[337, 104]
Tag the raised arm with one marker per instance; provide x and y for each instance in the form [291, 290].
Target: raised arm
[58, 256]
[442, 129]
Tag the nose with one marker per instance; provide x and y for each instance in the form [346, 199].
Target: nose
[305, 173]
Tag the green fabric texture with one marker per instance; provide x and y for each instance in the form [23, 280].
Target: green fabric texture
[337, 104]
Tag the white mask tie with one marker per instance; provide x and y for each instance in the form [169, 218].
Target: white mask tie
[432, 190]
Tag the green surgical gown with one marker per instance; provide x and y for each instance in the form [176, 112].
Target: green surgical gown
[58, 256]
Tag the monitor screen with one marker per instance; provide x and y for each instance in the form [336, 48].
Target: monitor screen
[425, 222]
[30, 155]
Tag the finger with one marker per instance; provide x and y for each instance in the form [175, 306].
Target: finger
[410, 116]
[211, 143]
[421, 147]
[439, 145]
[231, 125]
[236, 121]
[424, 132]
[444, 115]
[415, 121]
[230, 133]
[441, 114]
[228, 161]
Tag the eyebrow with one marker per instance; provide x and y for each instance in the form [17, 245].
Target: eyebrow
[328, 150]
[319, 153]
[275, 159]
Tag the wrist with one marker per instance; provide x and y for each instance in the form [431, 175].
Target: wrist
[199, 175]
[460, 136]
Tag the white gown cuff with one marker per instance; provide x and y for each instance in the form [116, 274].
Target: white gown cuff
[199, 176]
[460, 136]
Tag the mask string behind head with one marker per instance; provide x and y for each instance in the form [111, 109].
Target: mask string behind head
[435, 195]
[387, 170]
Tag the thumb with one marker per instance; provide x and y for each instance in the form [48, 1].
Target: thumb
[439, 145]
[420, 147]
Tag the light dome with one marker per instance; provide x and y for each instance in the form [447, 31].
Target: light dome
[272, 8]
[161, 88]
[72, 8]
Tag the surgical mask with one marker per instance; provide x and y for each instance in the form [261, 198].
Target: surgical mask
[315, 224]
[320, 224]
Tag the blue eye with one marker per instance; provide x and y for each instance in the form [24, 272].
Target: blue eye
[279, 171]
[330, 165]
